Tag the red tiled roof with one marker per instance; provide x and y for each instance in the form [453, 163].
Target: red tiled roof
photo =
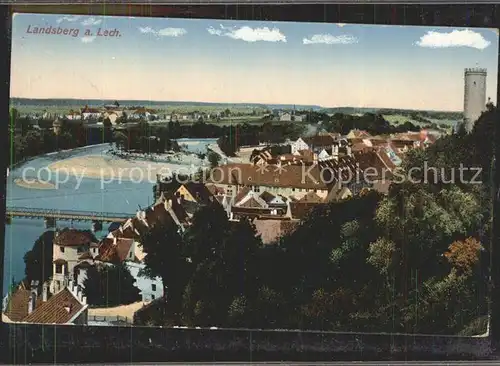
[267, 197]
[199, 191]
[241, 194]
[17, 306]
[214, 190]
[74, 237]
[360, 133]
[85, 255]
[58, 309]
[311, 197]
[123, 246]
[251, 203]
[90, 110]
[248, 175]
[301, 209]
[109, 251]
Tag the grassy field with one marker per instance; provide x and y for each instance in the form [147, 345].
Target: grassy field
[393, 118]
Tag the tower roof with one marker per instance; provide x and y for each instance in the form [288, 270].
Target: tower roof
[475, 70]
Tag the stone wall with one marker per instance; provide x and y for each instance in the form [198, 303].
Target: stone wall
[26, 343]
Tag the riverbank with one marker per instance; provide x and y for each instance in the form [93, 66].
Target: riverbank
[34, 184]
[182, 158]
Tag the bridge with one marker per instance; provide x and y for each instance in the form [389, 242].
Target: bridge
[68, 215]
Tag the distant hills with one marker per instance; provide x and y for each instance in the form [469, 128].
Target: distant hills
[159, 104]
[99, 102]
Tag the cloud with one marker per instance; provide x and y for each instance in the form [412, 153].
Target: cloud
[88, 39]
[72, 18]
[249, 34]
[330, 39]
[455, 38]
[91, 21]
[165, 32]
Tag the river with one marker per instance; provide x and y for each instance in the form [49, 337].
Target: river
[117, 197]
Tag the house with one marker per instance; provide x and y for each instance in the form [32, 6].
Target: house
[355, 133]
[90, 113]
[145, 113]
[316, 143]
[30, 305]
[73, 115]
[195, 192]
[150, 288]
[70, 246]
[270, 230]
[286, 117]
[284, 180]
[299, 145]
[112, 115]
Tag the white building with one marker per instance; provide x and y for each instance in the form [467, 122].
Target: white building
[70, 247]
[151, 288]
[474, 96]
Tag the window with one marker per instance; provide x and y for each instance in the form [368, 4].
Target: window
[62, 249]
[152, 297]
[256, 189]
[59, 268]
[153, 287]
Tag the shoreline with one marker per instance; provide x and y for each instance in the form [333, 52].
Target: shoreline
[34, 184]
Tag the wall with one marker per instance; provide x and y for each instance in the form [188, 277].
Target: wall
[125, 344]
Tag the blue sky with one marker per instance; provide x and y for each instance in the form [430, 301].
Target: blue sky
[245, 61]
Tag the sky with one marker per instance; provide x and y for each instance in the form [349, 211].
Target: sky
[325, 64]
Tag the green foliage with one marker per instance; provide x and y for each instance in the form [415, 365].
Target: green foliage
[38, 261]
[214, 159]
[109, 286]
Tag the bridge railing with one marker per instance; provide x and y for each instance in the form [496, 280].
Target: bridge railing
[42, 211]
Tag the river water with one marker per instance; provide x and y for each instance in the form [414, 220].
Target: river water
[116, 197]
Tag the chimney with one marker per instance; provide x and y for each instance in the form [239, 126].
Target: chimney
[31, 303]
[45, 292]
[84, 300]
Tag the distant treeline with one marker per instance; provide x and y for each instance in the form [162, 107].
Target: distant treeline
[423, 114]
[30, 142]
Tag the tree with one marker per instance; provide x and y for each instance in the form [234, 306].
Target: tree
[107, 130]
[163, 246]
[214, 159]
[38, 260]
[110, 285]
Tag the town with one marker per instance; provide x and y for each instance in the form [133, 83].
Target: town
[263, 185]
[359, 210]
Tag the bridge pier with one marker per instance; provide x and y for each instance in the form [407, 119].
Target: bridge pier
[96, 225]
[49, 222]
